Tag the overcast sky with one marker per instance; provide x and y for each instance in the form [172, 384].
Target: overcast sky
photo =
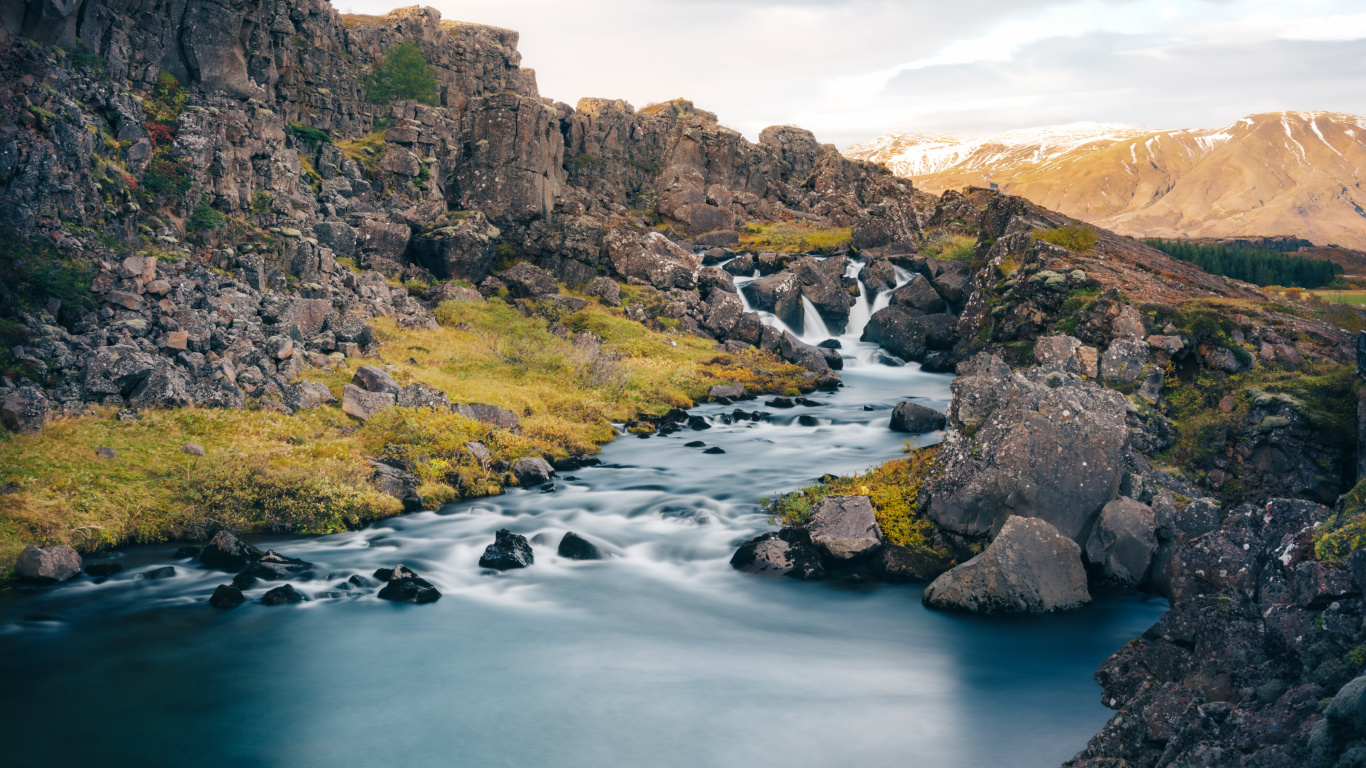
[854, 69]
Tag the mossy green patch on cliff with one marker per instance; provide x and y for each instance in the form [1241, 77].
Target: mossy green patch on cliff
[1345, 533]
[1077, 238]
[794, 237]
[952, 248]
[892, 488]
[402, 75]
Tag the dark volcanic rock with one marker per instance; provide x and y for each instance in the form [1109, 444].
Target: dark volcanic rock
[402, 585]
[1030, 567]
[1123, 541]
[508, 550]
[916, 419]
[788, 552]
[576, 547]
[919, 294]
[282, 595]
[226, 596]
[900, 564]
[48, 565]
[102, 570]
[273, 566]
[226, 552]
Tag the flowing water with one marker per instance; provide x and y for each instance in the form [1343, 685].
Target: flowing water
[660, 655]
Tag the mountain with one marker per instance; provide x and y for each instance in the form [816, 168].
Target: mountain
[1280, 173]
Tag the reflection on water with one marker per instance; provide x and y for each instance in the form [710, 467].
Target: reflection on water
[661, 655]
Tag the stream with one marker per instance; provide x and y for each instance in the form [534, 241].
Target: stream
[659, 655]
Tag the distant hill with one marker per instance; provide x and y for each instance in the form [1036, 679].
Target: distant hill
[1296, 174]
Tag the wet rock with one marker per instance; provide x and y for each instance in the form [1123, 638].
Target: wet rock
[788, 552]
[903, 565]
[508, 550]
[402, 585]
[362, 404]
[47, 565]
[103, 570]
[896, 330]
[189, 550]
[845, 526]
[374, 379]
[919, 294]
[742, 265]
[164, 572]
[226, 596]
[714, 450]
[779, 294]
[798, 352]
[1123, 541]
[576, 547]
[780, 402]
[1030, 567]
[226, 552]
[575, 461]
[532, 470]
[878, 276]
[273, 566]
[916, 418]
[283, 595]
[939, 362]
[807, 420]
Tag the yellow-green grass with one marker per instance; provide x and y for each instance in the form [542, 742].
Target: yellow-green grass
[793, 237]
[1354, 298]
[951, 248]
[307, 473]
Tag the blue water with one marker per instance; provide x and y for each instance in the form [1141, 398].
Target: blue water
[660, 656]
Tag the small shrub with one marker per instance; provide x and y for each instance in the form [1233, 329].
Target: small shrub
[953, 248]
[204, 218]
[310, 137]
[166, 176]
[260, 202]
[1077, 238]
[402, 75]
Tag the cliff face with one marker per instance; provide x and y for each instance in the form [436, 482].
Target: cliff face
[258, 74]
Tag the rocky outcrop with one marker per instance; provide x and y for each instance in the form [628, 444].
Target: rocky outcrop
[1029, 567]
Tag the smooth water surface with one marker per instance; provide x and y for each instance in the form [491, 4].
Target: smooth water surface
[661, 655]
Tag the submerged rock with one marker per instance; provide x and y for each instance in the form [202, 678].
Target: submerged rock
[788, 552]
[282, 595]
[1029, 568]
[226, 552]
[576, 547]
[508, 550]
[845, 526]
[47, 565]
[273, 566]
[102, 570]
[226, 596]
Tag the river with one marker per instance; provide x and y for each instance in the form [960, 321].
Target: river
[660, 655]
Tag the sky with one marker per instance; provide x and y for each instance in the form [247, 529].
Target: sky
[851, 70]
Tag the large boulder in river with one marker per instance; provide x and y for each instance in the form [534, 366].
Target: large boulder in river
[1122, 542]
[812, 358]
[919, 294]
[822, 284]
[896, 330]
[878, 276]
[1029, 568]
[780, 294]
[788, 552]
[916, 418]
[404, 586]
[532, 470]
[48, 565]
[576, 547]
[226, 552]
[845, 527]
[508, 550]
[1041, 443]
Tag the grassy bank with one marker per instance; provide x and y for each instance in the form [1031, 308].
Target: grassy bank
[793, 237]
[307, 473]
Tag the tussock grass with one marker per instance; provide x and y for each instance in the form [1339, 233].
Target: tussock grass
[955, 248]
[1077, 238]
[794, 237]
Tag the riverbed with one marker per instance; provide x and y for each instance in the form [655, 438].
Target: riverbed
[659, 655]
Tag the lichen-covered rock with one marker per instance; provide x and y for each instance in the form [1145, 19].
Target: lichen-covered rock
[362, 404]
[845, 527]
[26, 410]
[788, 552]
[489, 414]
[920, 295]
[527, 281]
[305, 395]
[1029, 568]
[374, 379]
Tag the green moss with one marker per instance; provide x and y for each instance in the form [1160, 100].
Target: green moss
[794, 237]
[311, 137]
[204, 219]
[402, 75]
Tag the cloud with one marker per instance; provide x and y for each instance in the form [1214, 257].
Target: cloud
[853, 69]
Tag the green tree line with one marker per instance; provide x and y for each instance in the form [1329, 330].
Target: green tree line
[1259, 266]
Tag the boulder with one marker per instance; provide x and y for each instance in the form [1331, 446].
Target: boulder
[742, 265]
[878, 275]
[916, 419]
[283, 595]
[463, 249]
[606, 290]
[723, 312]
[25, 410]
[489, 414]
[652, 259]
[895, 329]
[798, 352]
[273, 566]
[729, 391]
[1042, 443]
[1124, 361]
[532, 470]
[845, 526]
[226, 596]
[1029, 568]
[576, 547]
[1123, 542]
[422, 395]
[102, 570]
[305, 395]
[47, 565]
[508, 550]
[226, 552]
[165, 387]
[904, 565]
[919, 294]
[374, 379]
[710, 279]
[402, 585]
[527, 281]
[788, 552]
[362, 404]
[779, 294]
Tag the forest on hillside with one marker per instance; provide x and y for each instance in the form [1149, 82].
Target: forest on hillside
[1259, 266]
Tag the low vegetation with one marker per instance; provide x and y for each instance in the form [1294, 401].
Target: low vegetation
[1077, 238]
[892, 487]
[308, 473]
[1345, 533]
[793, 237]
[951, 247]
[403, 75]
[1259, 266]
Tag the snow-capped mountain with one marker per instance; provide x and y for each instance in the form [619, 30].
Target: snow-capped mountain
[1281, 173]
